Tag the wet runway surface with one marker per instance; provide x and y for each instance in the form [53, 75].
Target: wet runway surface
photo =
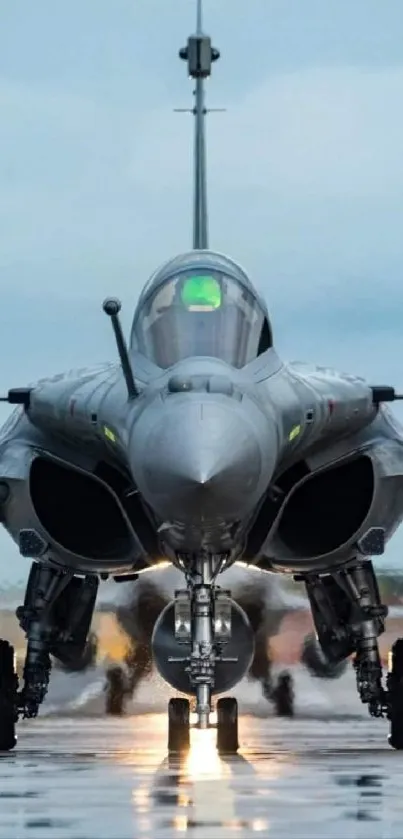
[77, 777]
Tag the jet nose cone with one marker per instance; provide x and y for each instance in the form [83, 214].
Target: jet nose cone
[204, 457]
[201, 462]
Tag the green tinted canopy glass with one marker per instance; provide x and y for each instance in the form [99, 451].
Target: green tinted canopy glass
[201, 293]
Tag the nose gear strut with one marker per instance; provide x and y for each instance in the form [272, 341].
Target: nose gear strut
[209, 627]
[203, 618]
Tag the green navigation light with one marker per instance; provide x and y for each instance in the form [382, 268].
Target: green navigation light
[201, 293]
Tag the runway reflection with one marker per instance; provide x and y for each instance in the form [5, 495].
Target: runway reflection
[199, 789]
[369, 794]
[95, 777]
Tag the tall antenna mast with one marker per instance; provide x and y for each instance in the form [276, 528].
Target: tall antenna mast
[199, 55]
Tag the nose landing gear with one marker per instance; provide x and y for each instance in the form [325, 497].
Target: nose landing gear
[203, 645]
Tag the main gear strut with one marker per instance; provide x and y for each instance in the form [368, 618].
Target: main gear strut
[55, 617]
[349, 618]
[44, 586]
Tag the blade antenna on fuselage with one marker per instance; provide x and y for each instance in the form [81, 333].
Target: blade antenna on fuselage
[199, 55]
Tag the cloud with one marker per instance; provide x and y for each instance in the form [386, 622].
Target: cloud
[319, 133]
[305, 181]
[305, 187]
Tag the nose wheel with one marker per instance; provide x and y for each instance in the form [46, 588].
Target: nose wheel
[178, 726]
[227, 726]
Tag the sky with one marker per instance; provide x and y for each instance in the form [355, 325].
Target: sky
[305, 175]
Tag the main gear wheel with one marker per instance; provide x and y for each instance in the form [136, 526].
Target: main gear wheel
[8, 697]
[395, 695]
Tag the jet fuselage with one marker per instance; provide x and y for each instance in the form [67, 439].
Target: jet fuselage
[286, 463]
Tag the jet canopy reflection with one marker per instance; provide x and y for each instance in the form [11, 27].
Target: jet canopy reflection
[202, 308]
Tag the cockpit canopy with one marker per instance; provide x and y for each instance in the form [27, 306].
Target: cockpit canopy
[200, 305]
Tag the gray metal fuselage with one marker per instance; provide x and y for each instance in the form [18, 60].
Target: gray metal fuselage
[287, 465]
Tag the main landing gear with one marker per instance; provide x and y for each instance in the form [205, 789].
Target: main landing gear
[203, 646]
[56, 618]
[279, 692]
[394, 683]
[122, 682]
[349, 618]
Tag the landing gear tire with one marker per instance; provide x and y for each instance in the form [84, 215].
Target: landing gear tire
[84, 660]
[227, 726]
[316, 662]
[178, 726]
[283, 696]
[395, 696]
[115, 691]
[8, 698]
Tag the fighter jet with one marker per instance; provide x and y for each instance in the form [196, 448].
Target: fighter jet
[204, 448]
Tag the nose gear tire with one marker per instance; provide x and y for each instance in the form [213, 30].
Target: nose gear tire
[178, 726]
[227, 726]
